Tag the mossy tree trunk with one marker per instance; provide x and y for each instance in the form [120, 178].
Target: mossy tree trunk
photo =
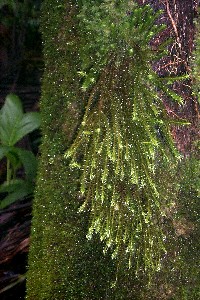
[60, 257]
[63, 264]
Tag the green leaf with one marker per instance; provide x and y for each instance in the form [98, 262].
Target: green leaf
[4, 151]
[14, 124]
[29, 162]
[12, 186]
[18, 156]
[14, 160]
[10, 115]
[17, 190]
[29, 122]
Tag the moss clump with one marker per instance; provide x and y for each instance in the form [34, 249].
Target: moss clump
[124, 137]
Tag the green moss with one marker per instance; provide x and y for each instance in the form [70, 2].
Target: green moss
[59, 264]
[118, 137]
[63, 263]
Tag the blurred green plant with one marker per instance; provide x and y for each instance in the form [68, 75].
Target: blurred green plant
[19, 10]
[20, 37]
[14, 125]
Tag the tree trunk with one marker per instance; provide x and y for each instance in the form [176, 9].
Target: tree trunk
[63, 264]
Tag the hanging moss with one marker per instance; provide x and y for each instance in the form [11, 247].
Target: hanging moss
[124, 136]
[102, 108]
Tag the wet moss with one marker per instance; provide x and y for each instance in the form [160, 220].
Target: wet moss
[60, 266]
[63, 264]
